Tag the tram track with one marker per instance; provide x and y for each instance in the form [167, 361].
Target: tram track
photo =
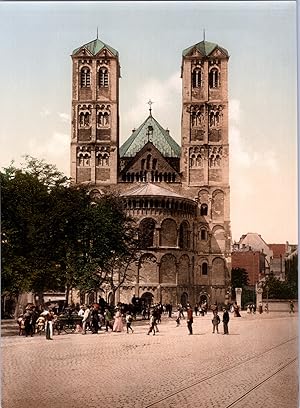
[242, 397]
[227, 369]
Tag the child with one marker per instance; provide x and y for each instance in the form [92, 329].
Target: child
[129, 319]
[216, 321]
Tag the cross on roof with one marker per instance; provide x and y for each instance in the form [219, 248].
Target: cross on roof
[150, 103]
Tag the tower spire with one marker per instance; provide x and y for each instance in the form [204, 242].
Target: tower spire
[203, 34]
[97, 33]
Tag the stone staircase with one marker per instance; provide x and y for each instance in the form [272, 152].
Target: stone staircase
[9, 327]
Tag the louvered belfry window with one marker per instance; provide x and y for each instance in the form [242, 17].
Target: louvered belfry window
[85, 79]
[103, 78]
[196, 78]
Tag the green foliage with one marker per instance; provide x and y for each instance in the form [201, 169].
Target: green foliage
[276, 289]
[239, 279]
[53, 236]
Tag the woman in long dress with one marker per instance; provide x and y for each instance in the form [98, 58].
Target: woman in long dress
[118, 323]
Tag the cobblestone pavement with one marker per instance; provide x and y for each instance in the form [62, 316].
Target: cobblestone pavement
[255, 366]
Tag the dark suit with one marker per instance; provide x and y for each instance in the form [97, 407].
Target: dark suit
[225, 321]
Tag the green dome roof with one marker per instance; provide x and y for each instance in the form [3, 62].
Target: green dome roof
[205, 47]
[158, 136]
[95, 46]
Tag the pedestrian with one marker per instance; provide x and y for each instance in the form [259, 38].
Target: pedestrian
[225, 320]
[40, 324]
[216, 321]
[95, 318]
[49, 316]
[108, 319]
[189, 319]
[237, 310]
[86, 319]
[178, 317]
[196, 309]
[129, 320]
[170, 310]
[292, 306]
[181, 310]
[152, 324]
[28, 322]
[118, 323]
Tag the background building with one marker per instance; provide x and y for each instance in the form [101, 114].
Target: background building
[259, 258]
[179, 195]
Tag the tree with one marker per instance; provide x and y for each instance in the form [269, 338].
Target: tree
[273, 288]
[111, 246]
[239, 279]
[25, 207]
[54, 236]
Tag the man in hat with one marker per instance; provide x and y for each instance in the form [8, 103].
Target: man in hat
[225, 320]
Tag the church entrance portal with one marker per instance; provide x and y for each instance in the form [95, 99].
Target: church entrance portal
[203, 298]
[184, 299]
[147, 298]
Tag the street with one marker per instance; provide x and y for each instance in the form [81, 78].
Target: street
[255, 366]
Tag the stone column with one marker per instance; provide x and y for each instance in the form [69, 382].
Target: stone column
[259, 293]
[238, 296]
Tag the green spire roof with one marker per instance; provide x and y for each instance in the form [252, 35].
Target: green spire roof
[205, 48]
[157, 135]
[95, 46]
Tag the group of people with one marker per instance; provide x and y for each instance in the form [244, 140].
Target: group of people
[215, 320]
[93, 317]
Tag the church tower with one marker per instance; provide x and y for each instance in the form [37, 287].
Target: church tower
[95, 114]
[205, 158]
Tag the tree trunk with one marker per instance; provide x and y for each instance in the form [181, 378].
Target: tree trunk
[67, 295]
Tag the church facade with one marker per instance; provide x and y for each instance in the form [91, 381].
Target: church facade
[179, 195]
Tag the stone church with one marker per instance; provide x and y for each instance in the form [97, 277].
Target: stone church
[179, 195]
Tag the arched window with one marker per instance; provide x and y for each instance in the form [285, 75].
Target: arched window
[184, 235]
[103, 78]
[196, 78]
[214, 78]
[203, 209]
[85, 78]
[203, 234]
[147, 228]
[204, 268]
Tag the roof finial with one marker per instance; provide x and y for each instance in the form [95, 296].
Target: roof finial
[203, 34]
[97, 33]
[150, 103]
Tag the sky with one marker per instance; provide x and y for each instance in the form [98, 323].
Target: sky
[37, 39]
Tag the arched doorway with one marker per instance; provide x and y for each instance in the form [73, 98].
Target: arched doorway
[147, 298]
[203, 298]
[184, 299]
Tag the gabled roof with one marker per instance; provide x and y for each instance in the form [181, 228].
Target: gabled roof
[145, 151]
[158, 136]
[95, 46]
[205, 47]
[149, 189]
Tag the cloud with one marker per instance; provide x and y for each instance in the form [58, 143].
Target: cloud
[166, 108]
[55, 150]
[45, 112]
[65, 117]
[234, 110]
[243, 154]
